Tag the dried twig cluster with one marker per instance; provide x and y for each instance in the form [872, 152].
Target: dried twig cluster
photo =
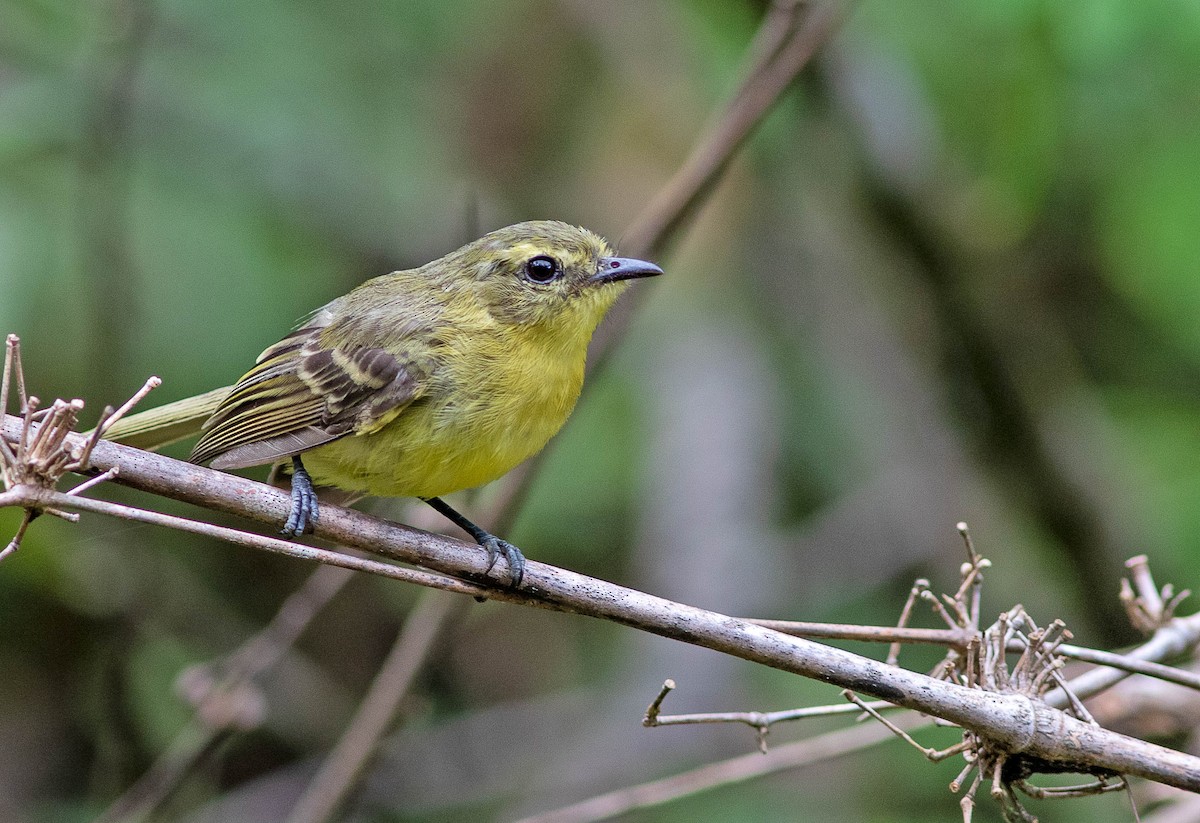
[42, 455]
[1012, 656]
[1036, 672]
[984, 664]
[1148, 607]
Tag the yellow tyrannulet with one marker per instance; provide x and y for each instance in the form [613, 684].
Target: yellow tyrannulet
[420, 382]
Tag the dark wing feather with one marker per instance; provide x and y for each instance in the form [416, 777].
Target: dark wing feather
[303, 392]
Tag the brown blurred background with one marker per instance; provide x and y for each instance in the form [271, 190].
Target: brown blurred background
[953, 277]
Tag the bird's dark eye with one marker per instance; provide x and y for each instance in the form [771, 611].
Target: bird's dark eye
[542, 269]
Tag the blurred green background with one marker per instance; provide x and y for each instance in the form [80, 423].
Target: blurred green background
[953, 277]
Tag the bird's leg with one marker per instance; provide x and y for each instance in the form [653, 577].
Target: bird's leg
[494, 545]
[304, 512]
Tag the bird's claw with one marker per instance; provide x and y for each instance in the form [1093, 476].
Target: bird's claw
[305, 512]
[493, 545]
[512, 555]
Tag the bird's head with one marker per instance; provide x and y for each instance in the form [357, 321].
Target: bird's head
[546, 273]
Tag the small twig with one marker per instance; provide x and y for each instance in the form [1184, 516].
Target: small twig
[651, 716]
[936, 755]
[70, 517]
[893, 656]
[108, 417]
[1076, 706]
[939, 609]
[1171, 674]
[1082, 790]
[1176, 638]
[94, 481]
[972, 570]
[107, 421]
[973, 557]
[8, 459]
[1147, 607]
[13, 370]
[973, 663]
[956, 638]
[30, 407]
[967, 804]
[10, 343]
[15, 543]
[1143, 583]
[758, 720]
[957, 782]
[761, 722]
[961, 617]
[976, 598]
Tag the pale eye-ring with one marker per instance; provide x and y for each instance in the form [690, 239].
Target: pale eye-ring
[542, 269]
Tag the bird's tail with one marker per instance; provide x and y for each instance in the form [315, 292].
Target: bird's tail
[163, 425]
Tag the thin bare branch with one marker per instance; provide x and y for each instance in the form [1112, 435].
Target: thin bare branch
[341, 769]
[1143, 584]
[12, 371]
[92, 482]
[958, 638]
[109, 417]
[224, 696]
[652, 711]
[1132, 665]
[790, 36]
[1171, 641]
[821, 749]
[936, 755]
[893, 655]
[756, 720]
[36, 498]
[190, 748]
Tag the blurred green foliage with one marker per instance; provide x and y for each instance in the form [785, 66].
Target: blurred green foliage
[953, 277]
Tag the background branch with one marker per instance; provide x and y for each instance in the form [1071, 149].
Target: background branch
[820, 749]
[375, 715]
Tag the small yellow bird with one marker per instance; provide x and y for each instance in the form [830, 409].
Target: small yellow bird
[423, 382]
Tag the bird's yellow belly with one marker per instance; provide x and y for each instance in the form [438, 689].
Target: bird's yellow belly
[433, 448]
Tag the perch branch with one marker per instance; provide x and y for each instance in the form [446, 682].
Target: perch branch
[1014, 721]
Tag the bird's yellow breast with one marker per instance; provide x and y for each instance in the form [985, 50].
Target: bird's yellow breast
[494, 398]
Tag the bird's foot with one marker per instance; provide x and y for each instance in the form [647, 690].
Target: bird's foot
[492, 544]
[303, 515]
[512, 555]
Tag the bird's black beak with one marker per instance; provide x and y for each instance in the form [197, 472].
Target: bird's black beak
[613, 269]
